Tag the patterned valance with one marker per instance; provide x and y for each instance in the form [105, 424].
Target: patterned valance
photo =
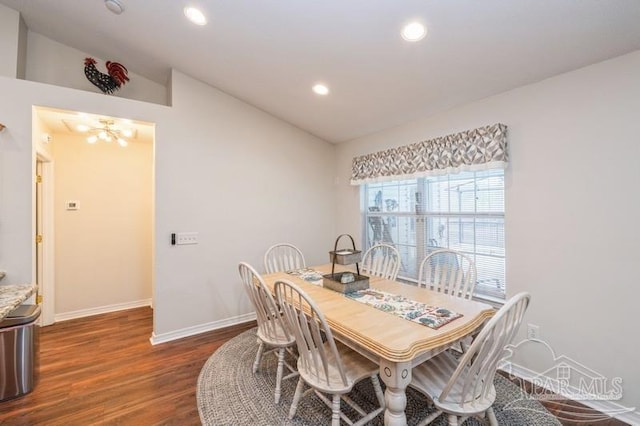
[477, 149]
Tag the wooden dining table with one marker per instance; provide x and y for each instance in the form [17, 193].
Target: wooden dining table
[394, 343]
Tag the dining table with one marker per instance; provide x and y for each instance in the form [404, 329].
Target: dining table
[393, 342]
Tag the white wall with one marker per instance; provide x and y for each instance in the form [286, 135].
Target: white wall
[9, 37]
[571, 206]
[103, 249]
[54, 63]
[240, 177]
[41, 137]
[21, 67]
[244, 180]
[17, 157]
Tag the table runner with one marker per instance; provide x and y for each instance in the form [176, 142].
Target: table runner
[431, 316]
[310, 275]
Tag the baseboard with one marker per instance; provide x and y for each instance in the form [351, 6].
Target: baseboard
[203, 328]
[101, 310]
[610, 408]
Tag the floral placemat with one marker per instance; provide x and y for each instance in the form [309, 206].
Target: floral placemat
[308, 274]
[431, 316]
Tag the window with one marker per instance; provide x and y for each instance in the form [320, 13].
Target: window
[462, 211]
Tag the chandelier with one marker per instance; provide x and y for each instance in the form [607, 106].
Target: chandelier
[107, 131]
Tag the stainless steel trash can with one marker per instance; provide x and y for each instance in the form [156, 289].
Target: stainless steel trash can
[19, 358]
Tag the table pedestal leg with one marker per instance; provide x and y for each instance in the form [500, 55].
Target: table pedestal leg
[396, 376]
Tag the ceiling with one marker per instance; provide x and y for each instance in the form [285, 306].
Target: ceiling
[270, 53]
[65, 122]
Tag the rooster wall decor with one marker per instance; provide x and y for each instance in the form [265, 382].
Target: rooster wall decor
[108, 83]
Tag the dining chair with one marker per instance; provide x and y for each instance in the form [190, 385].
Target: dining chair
[325, 365]
[382, 260]
[464, 388]
[272, 329]
[283, 257]
[448, 271]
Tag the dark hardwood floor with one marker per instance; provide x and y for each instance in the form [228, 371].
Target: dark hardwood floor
[102, 370]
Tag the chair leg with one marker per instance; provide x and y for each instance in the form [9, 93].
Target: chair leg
[452, 420]
[279, 373]
[258, 355]
[492, 417]
[378, 389]
[335, 411]
[296, 398]
[427, 420]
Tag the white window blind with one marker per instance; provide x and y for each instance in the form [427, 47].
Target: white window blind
[462, 211]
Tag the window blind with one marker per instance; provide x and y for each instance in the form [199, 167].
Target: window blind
[462, 211]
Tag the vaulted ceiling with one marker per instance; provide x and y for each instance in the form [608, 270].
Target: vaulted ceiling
[270, 53]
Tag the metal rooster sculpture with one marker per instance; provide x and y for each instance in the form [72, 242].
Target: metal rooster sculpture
[108, 83]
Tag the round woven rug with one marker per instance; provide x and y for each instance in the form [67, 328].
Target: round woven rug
[230, 394]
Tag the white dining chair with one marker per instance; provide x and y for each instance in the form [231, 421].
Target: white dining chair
[464, 388]
[283, 257]
[448, 271]
[273, 332]
[451, 272]
[382, 260]
[327, 366]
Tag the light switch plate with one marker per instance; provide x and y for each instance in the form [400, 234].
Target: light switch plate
[186, 238]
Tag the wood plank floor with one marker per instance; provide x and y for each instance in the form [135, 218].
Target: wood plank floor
[102, 370]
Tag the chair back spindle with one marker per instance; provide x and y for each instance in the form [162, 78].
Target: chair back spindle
[382, 260]
[478, 365]
[315, 357]
[270, 322]
[448, 271]
[283, 257]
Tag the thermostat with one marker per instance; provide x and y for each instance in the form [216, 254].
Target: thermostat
[73, 205]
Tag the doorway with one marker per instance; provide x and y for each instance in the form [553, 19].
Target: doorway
[95, 210]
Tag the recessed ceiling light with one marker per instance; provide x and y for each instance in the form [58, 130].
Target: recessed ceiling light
[195, 15]
[321, 89]
[82, 128]
[114, 6]
[414, 31]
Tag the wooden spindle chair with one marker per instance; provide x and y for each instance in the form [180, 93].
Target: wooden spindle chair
[283, 257]
[382, 260]
[273, 332]
[464, 388]
[327, 366]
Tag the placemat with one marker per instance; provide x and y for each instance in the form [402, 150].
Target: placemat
[431, 316]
